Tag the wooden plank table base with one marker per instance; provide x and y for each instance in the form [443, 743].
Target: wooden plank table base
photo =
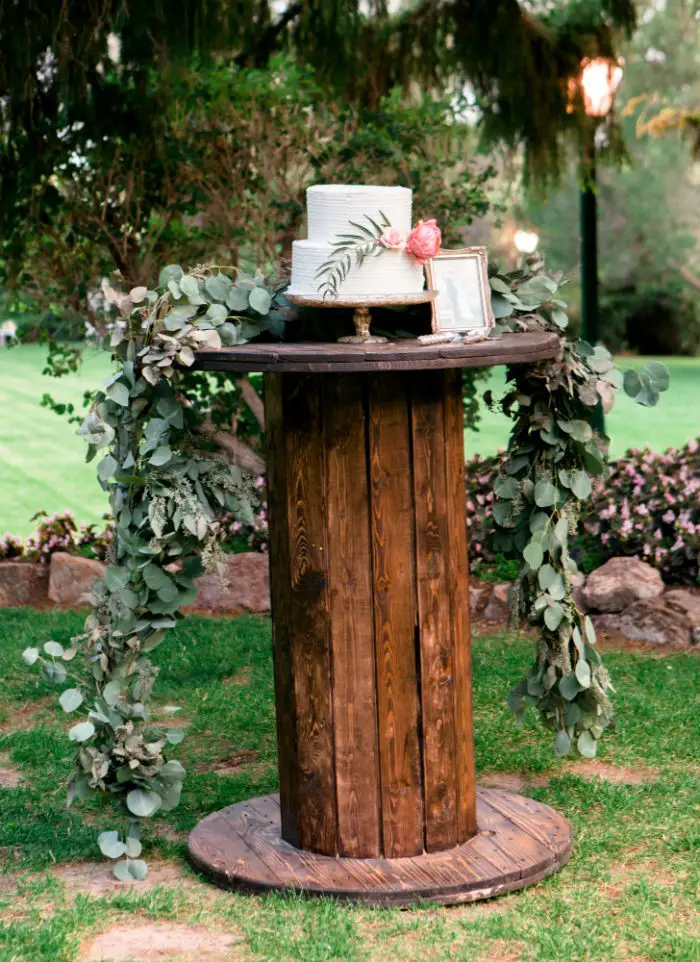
[519, 842]
[368, 571]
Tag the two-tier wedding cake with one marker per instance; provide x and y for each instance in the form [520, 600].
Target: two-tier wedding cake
[358, 244]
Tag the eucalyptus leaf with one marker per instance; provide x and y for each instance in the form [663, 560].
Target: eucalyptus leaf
[142, 803]
[82, 732]
[587, 745]
[562, 744]
[70, 699]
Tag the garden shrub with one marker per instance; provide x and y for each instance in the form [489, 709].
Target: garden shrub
[647, 507]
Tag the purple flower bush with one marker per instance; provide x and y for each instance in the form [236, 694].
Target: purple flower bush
[11, 547]
[648, 508]
[58, 532]
[248, 537]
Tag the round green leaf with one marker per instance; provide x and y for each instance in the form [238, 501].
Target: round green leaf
[53, 649]
[173, 272]
[71, 699]
[534, 555]
[580, 484]
[30, 655]
[583, 673]
[141, 803]
[632, 383]
[119, 393]
[505, 487]
[82, 732]
[569, 687]
[110, 845]
[562, 744]
[545, 494]
[260, 300]
[587, 745]
[112, 693]
[553, 616]
[133, 847]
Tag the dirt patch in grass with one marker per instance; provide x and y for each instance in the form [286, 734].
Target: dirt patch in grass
[96, 878]
[616, 774]
[512, 781]
[231, 764]
[152, 941]
[503, 951]
[10, 777]
[23, 718]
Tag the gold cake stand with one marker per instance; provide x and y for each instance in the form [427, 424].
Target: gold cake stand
[362, 317]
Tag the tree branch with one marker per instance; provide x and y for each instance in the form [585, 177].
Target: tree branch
[252, 399]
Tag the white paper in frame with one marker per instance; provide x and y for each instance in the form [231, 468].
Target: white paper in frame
[463, 304]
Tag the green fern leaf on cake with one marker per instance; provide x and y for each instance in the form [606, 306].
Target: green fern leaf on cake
[352, 247]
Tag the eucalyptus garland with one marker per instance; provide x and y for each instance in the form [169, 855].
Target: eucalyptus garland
[552, 457]
[167, 489]
[169, 486]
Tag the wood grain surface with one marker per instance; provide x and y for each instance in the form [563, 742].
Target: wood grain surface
[395, 619]
[519, 842]
[432, 553]
[370, 612]
[400, 355]
[458, 579]
[351, 617]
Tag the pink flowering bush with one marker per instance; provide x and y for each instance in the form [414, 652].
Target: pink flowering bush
[11, 547]
[248, 537]
[648, 507]
[61, 532]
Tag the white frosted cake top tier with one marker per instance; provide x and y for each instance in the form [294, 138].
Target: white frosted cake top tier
[331, 208]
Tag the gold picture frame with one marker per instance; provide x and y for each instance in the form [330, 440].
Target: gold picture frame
[463, 304]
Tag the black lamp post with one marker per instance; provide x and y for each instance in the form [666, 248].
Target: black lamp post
[600, 79]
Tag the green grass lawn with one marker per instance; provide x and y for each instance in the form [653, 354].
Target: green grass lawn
[671, 423]
[42, 462]
[629, 893]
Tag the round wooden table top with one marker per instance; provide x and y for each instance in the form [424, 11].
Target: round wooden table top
[399, 355]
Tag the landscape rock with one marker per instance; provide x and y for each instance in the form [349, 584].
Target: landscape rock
[579, 583]
[686, 602]
[479, 595]
[72, 577]
[620, 582]
[498, 608]
[245, 586]
[148, 941]
[23, 583]
[656, 622]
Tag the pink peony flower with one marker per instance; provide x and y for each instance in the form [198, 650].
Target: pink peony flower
[392, 238]
[424, 240]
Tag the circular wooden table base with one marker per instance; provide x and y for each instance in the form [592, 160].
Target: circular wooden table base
[519, 842]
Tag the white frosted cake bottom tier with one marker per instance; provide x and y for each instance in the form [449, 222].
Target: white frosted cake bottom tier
[391, 272]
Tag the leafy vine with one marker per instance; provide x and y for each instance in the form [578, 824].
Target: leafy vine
[552, 455]
[167, 490]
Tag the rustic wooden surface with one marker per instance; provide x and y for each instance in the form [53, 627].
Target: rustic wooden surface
[369, 603]
[394, 593]
[399, 355]
[519, 842]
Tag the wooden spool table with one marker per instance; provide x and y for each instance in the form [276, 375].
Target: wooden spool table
[370, 607]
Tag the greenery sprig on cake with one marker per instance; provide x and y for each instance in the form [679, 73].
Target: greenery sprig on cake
[422, 242]
[349, 247]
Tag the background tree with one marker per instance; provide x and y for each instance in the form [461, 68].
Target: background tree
[649, 214]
